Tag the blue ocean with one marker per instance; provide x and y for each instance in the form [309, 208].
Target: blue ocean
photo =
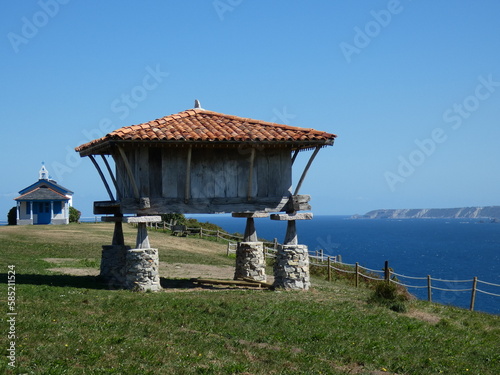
[452, 250]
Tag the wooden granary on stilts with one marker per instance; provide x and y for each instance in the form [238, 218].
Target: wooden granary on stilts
[199, 161]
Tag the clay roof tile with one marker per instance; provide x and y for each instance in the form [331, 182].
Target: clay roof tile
[199, 125]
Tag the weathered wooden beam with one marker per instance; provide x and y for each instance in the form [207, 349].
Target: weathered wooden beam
[253, 283]
[306, 169]
[213, 205]
[107, 208]
[247, 279]
[187, 189]
[298, 203]
[250, 174]
[132, 219]
[113, 179]
[129, 172]
[292, 217]
[96, 165]
[250, 214]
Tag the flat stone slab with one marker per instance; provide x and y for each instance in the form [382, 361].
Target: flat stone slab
[287, 217]
[132, 219]
[250, 214]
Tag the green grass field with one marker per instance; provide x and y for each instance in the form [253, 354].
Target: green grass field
[68, 324]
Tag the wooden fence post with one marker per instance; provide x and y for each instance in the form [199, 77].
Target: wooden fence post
[227, 253]
[429, 288]
[217, 237]
[387, 273]
[473, 297]
[329, 269]
[201, 232]
[356, 268]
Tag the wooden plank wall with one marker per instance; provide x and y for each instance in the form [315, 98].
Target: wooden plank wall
[215, 173]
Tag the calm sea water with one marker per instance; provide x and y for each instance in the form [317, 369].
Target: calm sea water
[448, 249]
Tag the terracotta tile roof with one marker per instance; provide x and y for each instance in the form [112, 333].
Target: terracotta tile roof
[42, 194]
[202, 126]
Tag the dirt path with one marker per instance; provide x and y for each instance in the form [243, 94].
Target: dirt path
[167, 270]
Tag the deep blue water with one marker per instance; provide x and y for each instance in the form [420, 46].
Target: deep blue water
[450, 249]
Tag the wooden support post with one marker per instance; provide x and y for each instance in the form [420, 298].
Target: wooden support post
[129, 172]
[387, 272]
[429, 288]
[473, 296]
[291, 230]
[357, 274]
[250, 175]
[91, 157]
[329, 269]
[291, 234]
[299, 185]
[250, 232]
[118, 238]
[142, 241]
[187, 189]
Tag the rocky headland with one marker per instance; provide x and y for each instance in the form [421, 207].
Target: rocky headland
[489, 212]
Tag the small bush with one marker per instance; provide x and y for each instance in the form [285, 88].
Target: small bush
[387, 291]
[175, 219]
[74, 215]
[12, 216]
[391, 296]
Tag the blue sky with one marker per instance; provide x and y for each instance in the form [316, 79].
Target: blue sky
[411, 88]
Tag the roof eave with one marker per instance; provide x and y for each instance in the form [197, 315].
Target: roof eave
[107, 146]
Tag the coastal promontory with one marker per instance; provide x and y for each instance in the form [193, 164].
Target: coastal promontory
[488, 212]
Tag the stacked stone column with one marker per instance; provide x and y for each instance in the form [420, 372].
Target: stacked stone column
[250, 260]
[123, 267]
[291, 269]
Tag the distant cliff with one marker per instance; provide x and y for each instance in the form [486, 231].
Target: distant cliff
[490, 212]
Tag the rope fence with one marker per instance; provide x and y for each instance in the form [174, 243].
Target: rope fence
[389, 275]
[318, 258]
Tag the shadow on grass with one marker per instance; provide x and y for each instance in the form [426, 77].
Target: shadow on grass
[88, 282]
[93, 282]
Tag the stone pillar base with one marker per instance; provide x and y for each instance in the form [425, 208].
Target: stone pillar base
[250, 261]
[291, 269]
[113, 265]
[141, 270]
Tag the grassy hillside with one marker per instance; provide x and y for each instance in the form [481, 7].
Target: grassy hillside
[70, 324]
